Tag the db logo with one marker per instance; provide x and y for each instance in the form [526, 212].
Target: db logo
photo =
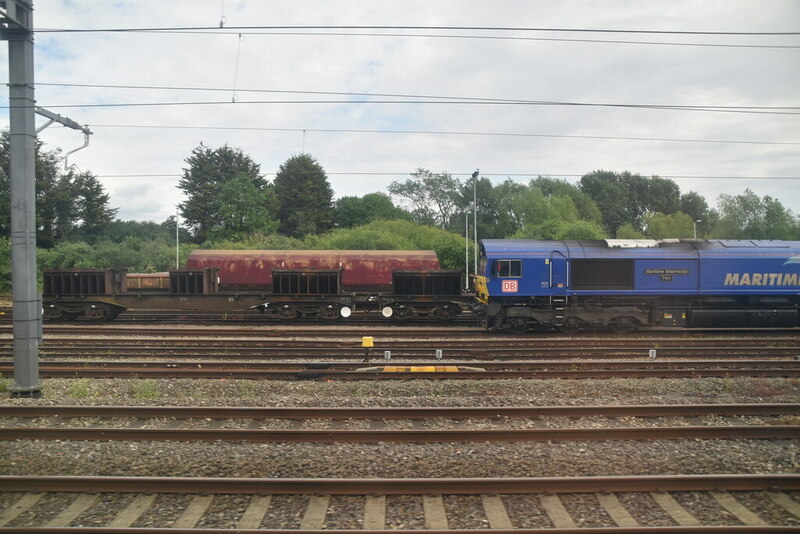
[510, 286]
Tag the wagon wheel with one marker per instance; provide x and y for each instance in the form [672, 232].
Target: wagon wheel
[287, 313]
[401, 313]
[328, 313]
[445, 313]
[55, 313]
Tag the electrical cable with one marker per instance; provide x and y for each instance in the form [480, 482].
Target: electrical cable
[753, 110]
[237, 29]
[509, 175]
[440, 132]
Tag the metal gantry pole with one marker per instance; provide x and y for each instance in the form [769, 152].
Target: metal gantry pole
[17, 29]
[466, 250]
[177, 239]
[475, 215]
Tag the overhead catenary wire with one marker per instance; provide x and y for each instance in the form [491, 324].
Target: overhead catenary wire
[442, 132]
[466, 174]
[236, 29]
[468, 37]
[758, 110]
[434, 98]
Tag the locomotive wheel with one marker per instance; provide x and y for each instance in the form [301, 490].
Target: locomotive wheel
[518, 326]
[571, 326]
[621, 325]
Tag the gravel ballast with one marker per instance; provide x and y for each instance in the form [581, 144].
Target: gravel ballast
[399, 460]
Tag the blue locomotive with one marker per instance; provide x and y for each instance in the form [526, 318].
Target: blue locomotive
[625, 284]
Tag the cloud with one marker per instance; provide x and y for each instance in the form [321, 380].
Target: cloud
[469, 67]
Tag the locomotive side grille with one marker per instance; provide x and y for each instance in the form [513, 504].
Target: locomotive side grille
[602, 274]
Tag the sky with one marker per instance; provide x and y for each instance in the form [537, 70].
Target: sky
[482, 85]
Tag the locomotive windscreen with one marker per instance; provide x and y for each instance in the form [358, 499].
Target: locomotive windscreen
[602, 274]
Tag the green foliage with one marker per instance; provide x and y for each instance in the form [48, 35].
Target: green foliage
[580, 230]
[146, 389]
[304, 197]
[556, 229]
[92, 207]
[627, 231]
[551, 187]
[134, 254]
[360, 238]
[68, 206]
[355, 211]
[80, 389]
[256, 241]
[747, 216]
[209, 170]
[696, 207]
[5, 265]
[675, 225]
[395, 235]
[626, 198]
[434, 198]
[243, 209]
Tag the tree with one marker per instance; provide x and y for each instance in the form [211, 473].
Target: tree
[747, 216]
[356, 211]
[243, 209]
[674, 225]
[434, 198]
[560, 230]
[93, 211]
[612, 197]
[627, 231]
[207, 173]
[63, 199]
[551, 187]
[304, 197]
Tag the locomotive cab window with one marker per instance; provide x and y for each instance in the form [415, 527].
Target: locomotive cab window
[509, 268]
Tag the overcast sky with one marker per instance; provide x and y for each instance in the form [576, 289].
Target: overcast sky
[364, 143]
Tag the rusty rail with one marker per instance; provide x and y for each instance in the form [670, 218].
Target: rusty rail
[184, 412]
[707, 370]
[402, 486]
[403, 436]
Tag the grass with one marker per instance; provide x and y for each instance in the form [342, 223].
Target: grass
[80, 389]
[144, 389]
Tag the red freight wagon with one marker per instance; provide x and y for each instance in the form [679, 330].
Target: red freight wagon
[361, 269]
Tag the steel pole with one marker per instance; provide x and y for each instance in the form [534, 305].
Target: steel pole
[26, 300]
[466, 250]
[177, 240]
[475, 219]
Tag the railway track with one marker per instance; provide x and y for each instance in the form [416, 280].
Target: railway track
[406, 412]
[143, 430]
[358, 505]
[412, 331]
[402, 371]
[409, 344]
